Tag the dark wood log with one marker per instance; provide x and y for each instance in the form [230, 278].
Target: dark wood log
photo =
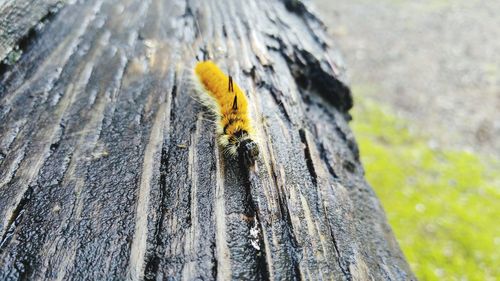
[109, 168]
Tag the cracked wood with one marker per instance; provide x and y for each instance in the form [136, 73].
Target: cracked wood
[109, 169]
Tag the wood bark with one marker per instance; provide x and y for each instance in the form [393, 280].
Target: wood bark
[109, 168]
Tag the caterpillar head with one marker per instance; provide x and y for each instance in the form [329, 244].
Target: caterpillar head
[248, 152]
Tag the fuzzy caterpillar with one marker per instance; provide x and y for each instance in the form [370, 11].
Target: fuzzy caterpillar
[229, 105]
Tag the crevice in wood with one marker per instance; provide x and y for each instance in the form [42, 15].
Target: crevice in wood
[263, 267]
[347, 137]
[309, 73]
[277, 96]
[343, 267]
[26, 41]
[188, 13]
[298, 7]
[224, 31]
[213, 250]
[349, 166]
[290, 237]
[173, 95]
[9, 174]
[55, 145]
[324, 157]
[351, 143]
[152, 259]
[307, 156]
[16, 217]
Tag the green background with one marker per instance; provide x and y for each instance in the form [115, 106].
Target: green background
[442, 204]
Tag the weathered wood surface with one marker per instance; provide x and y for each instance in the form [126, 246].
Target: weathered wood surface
[18, 17]
[109, 169]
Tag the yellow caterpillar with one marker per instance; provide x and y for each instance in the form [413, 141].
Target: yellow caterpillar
[230, 108]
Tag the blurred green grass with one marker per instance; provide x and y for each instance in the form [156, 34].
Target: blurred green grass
[442, 204]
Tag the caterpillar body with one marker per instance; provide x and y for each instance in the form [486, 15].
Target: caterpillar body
[229, 105]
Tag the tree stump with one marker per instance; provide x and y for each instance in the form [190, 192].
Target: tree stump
[109, 169]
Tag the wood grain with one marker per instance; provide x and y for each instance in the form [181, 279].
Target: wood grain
[109, 168]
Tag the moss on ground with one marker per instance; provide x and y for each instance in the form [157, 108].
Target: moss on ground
[443, 204]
